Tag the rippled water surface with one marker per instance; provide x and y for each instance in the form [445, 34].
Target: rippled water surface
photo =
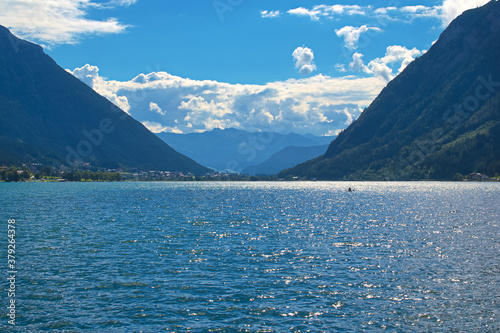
[254, 257]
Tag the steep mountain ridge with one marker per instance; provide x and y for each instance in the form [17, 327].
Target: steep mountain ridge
[439, 117]
[48, 116]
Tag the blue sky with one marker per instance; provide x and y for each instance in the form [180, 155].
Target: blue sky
[185, 66]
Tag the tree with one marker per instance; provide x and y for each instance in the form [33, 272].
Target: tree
[47, 172]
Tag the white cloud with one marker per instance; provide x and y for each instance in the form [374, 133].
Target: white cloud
[304, 57]
[301, 11]
[317, 105]
[396, 53]
[453, 8]
[270, 13]
[154, 127]
[351, 34]
[420, 11]
[52, 22]
[382, 68]
[159, 128]
[352, 9]
[445, 12]
[124, 2]
[211, 114]
[415, 9]
[87, 74]
[155, 108]
[90, 75]
[357, 63]
[384, 10]
[328, 11]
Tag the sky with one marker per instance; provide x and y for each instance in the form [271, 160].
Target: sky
[182, 66]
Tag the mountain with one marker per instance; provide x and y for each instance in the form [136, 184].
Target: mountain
[440, 117]
[285, 158]
[50, 117]
[233, 149]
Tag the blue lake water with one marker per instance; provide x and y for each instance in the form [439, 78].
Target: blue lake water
[253, 257]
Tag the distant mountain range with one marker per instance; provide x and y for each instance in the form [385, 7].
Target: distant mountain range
[48, 116]
[236, 150]
[439, 118]
[285, 158]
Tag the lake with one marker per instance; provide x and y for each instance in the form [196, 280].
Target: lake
[252, 257]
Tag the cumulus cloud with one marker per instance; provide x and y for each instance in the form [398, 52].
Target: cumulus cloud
[270, 13]
[52, 22]
[159, 128]
[351, 34]
[90, 76]
[155, 108]
[399, 54]
[382, 68]
[87, 74]
[304, 57]
[357, 63]
[453, 8]
[166, 103]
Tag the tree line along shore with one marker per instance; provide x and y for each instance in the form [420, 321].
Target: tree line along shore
[50, 174]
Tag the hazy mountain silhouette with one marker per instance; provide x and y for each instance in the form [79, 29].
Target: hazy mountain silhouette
[235, 150]
[285, 158]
